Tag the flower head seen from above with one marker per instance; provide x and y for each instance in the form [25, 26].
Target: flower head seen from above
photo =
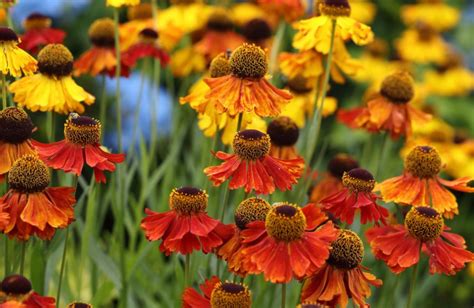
[420, 184]
[399, 246]
[246, 88]
[33, 207]
[15, 137]
[147, 47]
[343, 276]
[186, 227]
[252, 167]
[14, 61]
[249, 210]
[53, 88]
[217, 294]
[81, 145]
[331, 182]
[120, 3]
[389, 110]
[17, 292]
[101, 57]
[284, 134]
[315, 32]
[38, 33]
[292, 242]
[356, 195]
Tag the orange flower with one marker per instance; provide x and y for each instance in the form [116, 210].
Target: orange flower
[249, 210]
[283, 134]
[292, 242]
[16, 292]
[390, 110]
[251, 166]
[246, 89]
[342, 277]
[15, 137]
[33, 207]
[218, 294]
[356, 195]
[288, 9]
[331, 181]
[399, 246]
[147, 46]
[420, 183]
[100, 58]
[187, 227]
[39, 33]
[81, 145]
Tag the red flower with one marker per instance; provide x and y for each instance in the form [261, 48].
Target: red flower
[32, 206]
[420, 183]
[356, 195]
[399, 246]
[187, 227]
[251, 166]
[342, 277]
[81, 145]
[331, 181]
[39, 33]
[217, 294]
[146, 47]
[18, 293]
[292, 242]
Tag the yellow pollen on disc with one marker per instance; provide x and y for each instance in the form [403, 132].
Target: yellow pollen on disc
[29, 175]
[285, 222]
[251, 144]
[220, 66]
[188, 200]
[424, 223]
[249, 61]
[82, 130]
[102, 32]
[347, 250]
[398, 87]
[230, 295]
[249, 210]
[358, 180]
[423, 162]
[55, 60]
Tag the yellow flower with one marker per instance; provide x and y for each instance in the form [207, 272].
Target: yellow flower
[421, 45]
[457, 81]
[119, 3]
[244, 12]
[53, 88]
[187, 61]
[14, 61]
[436, 14]
[315, 33]
[363, 11]
[140, 17]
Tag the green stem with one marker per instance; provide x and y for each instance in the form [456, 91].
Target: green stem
[7, 263]
[22, 257]
[61, 271]
[239, 122]
[280, 33]
[117, 80]
[154, 105]
[4, 91]
[137, 109]
[224, 201]
[103, 107]
[50, 124]
[386, 140]
[412, 283]
[187, 264]
[283, 295]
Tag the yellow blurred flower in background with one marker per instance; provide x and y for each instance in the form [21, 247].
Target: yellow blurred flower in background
[120, 3]
[363, 11]
[434, 13]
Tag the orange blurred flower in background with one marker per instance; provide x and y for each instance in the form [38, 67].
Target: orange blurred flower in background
[146, 47]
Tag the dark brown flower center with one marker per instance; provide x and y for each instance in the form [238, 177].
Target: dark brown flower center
[283, 131]
[148, 35]
[82, 130]
[79, 305]
[37, 21]
[229, 295]
[423, 162]
[7, 34]
[102, 33]
[257, 30]
[299, 85]
[249, 210]
[358, 180]
[251, 144]
[249, 61]
[424, 223]
[15, 285]
[220, 21]
[188, 200]
[29, 175]
[347, 251]
[341, 163]
[55, 60]
[285, 222]
[335, 8]
[398, 87]
[15, 125]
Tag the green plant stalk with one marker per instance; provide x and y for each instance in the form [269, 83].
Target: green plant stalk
[154, 106]
[118, 68]
[4, 91]
[280, 33]
[7, 263]
[103, 108]
[386, 140]
[283, 295]
[187, 264]
[50, 125]
[22, 257]
[61, 271]
[413, 282]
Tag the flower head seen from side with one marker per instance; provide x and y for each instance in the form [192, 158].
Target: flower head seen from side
[186, 227]
[420, 183]
[399, 246]
[81, 145]
[33, 207]
[147, 47]
[246, 89]
[14, 61]
[249, 210]
[292, 242]
[343, 276]
[356, 195]
[38, 33]
[315, 32]
[331, 181]
[284, 134]
[258, 31]
[216, 293]
[16, 292]
[120, 3]
[434, 13]
[101, 57]
[140, 17]
[252, 167]
[52, 89]
[15, 137]
[389, 110]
